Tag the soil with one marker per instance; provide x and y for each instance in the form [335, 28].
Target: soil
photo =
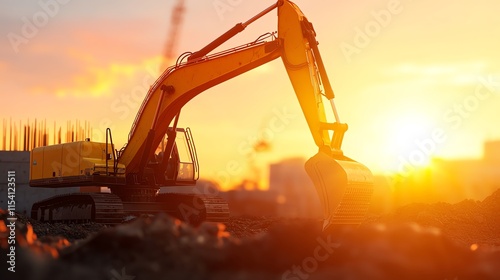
[417, 241]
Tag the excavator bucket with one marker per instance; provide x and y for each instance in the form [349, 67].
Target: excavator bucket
[344, 188]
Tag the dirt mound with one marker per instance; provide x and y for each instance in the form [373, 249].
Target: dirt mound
[418, 241]
[163, 248]
[468, 222]
[71, 232]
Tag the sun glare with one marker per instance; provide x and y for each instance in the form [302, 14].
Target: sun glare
[408, 140]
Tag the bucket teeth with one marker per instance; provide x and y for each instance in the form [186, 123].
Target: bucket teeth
[344, 186]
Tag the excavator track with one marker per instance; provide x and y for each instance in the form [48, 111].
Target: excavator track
[106, 208]
[103, 208]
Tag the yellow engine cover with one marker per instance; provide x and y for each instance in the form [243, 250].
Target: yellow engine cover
[70, 159]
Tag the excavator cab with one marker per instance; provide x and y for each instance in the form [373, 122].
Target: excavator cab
[182, 165]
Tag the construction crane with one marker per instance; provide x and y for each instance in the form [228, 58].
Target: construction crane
[135, 173]
[176, 20]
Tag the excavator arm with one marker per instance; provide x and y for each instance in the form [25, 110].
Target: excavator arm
[343, 185]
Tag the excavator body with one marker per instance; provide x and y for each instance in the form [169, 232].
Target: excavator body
[154, 156]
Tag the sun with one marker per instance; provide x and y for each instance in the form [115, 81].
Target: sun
[408, 141]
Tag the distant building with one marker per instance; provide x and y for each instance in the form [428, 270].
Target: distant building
[296, 195]
[492, 152]
[452, 180]
[474, 179]
[247, 199]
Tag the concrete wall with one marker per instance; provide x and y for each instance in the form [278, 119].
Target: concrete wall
[25, 195]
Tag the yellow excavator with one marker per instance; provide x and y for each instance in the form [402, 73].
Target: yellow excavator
[135, 173]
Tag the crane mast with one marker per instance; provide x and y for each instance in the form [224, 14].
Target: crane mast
[176, 20]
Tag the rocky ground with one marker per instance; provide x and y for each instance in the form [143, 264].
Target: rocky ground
[418, 241]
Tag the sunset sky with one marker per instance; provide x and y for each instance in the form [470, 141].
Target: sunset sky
[410, 77]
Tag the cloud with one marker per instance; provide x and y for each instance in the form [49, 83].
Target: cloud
[83, 59]
[96, 80]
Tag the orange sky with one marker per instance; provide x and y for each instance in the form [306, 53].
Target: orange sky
[410, 76]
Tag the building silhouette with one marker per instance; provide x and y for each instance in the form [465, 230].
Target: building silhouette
[450, 180]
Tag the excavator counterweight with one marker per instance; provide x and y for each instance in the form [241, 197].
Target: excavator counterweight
[146, 163]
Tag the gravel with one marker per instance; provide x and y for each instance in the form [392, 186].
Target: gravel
[418, 241]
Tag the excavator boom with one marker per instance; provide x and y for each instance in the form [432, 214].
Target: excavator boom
[178, 85]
